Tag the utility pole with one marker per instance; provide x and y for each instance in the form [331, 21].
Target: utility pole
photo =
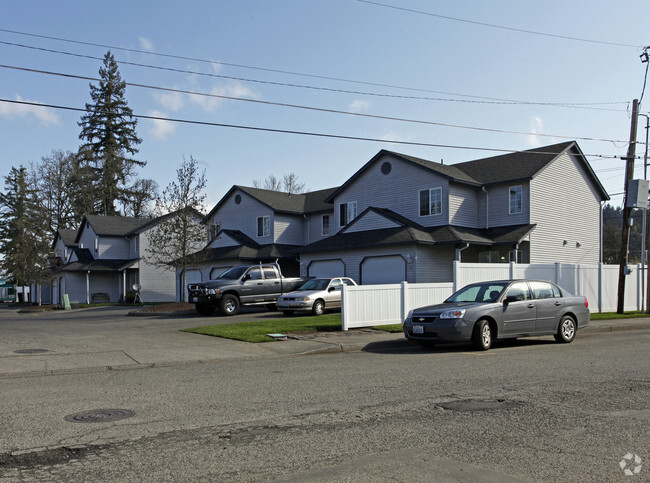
[627, 211]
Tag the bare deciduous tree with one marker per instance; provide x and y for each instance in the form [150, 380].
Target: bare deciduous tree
[288, 184]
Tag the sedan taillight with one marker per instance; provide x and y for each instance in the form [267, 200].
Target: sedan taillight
[586, 302]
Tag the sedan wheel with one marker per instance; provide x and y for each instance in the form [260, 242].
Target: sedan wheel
[482, 336]
[318, 308]
[566, 331]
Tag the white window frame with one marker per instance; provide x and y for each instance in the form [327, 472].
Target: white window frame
[431, 193]
[513, 191]
[350, 212]
[96, 245]
[136, 244]
[324, 232]
[266, 226]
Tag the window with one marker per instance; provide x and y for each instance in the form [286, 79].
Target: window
[515, 200]
[325, 225]
[136, 245]
[270, 272]
[96, 245]
[347, 212]
[519, 291]
[263, 226]
[431, 201]
[254, 274]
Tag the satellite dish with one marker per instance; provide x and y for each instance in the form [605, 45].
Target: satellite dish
[137, 287]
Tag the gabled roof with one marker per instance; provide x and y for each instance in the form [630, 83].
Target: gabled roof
[67, 236]
[112, 225]
[519, 165]
[84, 262]
[297, 204]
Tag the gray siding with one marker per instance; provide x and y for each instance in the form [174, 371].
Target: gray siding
[434, 264]
[398, 191]
[314, 226]
[223, 240]
[565, 207]
[158, 284]
[499, 201]
[464, 206]
[288, 229]
[242, 216]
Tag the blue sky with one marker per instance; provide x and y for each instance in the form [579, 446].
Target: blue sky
[407, 63]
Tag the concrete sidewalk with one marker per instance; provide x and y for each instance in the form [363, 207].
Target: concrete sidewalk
[143, 345]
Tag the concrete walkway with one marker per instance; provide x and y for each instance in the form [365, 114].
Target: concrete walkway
[35, 346]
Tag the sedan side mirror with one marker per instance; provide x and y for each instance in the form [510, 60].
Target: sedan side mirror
[511, 298]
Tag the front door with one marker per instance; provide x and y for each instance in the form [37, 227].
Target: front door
[519, 311]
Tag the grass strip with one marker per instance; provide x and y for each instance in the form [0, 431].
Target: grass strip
[256, 331]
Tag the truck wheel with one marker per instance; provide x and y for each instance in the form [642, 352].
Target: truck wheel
[318, 308]
[229, 305]
[204, 309]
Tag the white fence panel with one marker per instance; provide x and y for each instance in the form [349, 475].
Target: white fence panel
[537, 271]
[368, 305]
[421, 294]
[466, 273]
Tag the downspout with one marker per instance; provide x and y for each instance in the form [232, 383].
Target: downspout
[487, 207]
[459, 250]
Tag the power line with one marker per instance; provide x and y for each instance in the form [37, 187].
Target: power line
[473, 100]
[311, 108]
[302, 133]
[502, 27]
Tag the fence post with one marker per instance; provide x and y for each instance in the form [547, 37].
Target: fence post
[638, 287]
[456, 268]
[600, 288]
[404, 300]
[344, 308]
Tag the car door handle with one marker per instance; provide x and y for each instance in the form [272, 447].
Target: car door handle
[557, 304]
[260, 283]
[530, 306]
[276, 283]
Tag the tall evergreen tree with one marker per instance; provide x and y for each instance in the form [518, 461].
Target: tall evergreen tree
[108, 129]
[24, 238]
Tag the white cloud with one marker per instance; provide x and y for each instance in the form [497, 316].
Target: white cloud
[359, 106]
[45, 115]
[160, 129]
[232, 90]
[174, 101]
[146, 44]
[395, 136]
[536, 126]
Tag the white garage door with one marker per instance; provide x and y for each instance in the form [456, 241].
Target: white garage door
[378, 270]
[193, 276]
[327, 268]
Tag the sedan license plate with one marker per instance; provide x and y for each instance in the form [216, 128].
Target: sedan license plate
[418, 329]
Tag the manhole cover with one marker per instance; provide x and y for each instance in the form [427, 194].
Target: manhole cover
[99, 416]
[30, 351]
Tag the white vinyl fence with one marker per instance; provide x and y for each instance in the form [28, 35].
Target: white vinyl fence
[368, 305]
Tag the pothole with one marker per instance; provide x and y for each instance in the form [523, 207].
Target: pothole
[30, 351]
[100, 416]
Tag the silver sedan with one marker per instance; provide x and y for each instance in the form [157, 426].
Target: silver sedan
[315, 296]
[487, 311]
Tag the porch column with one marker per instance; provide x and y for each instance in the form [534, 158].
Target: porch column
[88, 287]
[124, 285]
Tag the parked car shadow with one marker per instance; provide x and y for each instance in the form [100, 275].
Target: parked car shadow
[403, 346]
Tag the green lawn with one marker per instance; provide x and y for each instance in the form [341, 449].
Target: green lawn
[256, 331]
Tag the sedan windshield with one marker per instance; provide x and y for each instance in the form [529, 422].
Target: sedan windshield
[479, 292]
[315, 284]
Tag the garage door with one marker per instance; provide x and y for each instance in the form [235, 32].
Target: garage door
[387, 269]
[193, 276]
[327, 268]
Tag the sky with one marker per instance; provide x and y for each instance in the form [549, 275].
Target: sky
[318, 87]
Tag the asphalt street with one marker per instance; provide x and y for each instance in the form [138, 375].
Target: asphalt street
[373, 409]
